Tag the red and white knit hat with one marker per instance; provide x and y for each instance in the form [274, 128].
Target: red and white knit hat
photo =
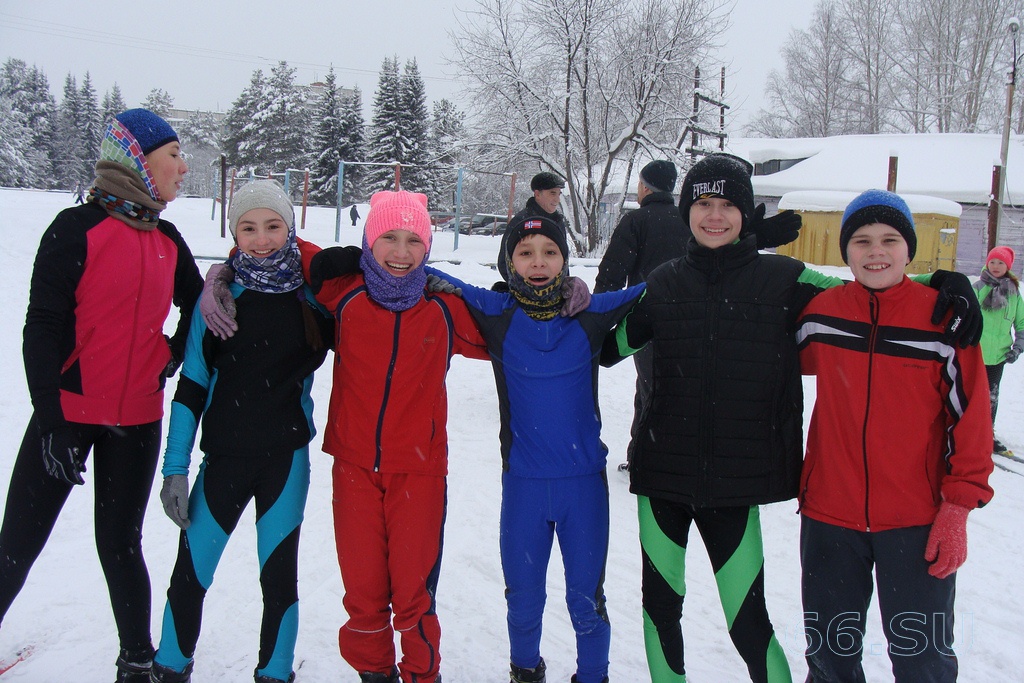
[399, 210]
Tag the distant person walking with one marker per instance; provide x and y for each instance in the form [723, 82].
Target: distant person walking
[354, 215]
[96, 360]
[79, 199]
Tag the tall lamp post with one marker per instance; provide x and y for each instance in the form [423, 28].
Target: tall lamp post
[1013, 25]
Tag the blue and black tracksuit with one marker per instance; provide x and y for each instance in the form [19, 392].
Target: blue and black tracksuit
[554, 479]
[252, 393]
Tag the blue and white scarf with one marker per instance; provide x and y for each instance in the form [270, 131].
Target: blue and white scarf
[279, 272]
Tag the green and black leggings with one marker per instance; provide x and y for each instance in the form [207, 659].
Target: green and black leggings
[732, 536]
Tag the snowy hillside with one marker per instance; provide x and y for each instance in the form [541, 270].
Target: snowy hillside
[64, 611]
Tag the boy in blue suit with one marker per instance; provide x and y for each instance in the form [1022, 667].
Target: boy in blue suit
[554, 481]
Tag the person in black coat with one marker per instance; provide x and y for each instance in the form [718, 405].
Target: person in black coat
[642, 241]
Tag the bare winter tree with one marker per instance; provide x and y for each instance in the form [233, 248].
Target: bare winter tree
[571, 86]
[867, 39]
[950, 50]
[870, 66]
[812, 97]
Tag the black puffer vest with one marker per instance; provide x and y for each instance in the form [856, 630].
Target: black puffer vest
[724, 426]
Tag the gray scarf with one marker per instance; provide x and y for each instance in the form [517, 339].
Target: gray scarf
[1002, 288]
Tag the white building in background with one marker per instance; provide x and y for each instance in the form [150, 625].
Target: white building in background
[956, 166]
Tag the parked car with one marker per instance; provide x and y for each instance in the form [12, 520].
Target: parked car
[487, 224]
[495, 228]
[449, 226]
[439, 218]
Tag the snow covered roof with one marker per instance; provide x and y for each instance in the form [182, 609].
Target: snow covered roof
[957, 167]
[834, 201]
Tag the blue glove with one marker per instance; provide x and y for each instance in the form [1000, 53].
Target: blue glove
[62, 456]
[956, 294]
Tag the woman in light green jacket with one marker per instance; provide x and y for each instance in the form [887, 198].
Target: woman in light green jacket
[1002, 309]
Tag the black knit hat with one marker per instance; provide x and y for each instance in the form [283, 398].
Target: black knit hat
[719, 175]
[536, 225]
[659, 175]
[878, 206]
[546, 181]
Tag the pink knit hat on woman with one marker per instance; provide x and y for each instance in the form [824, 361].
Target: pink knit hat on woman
[1004, 254]
[397, 211]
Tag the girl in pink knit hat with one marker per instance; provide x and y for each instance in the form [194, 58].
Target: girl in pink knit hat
[386, 431]
[1002, 310]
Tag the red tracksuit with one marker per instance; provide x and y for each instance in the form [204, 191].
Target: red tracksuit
[386, 431]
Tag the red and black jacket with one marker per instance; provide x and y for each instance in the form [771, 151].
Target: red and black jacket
[901, 420]
[94, 347]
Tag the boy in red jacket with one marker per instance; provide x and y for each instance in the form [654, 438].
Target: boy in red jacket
[898, 453]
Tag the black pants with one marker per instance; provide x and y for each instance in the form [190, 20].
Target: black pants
[916, 608]
[644, 362]
[223, 488]
[123, 463]
[994, 374]
[732, 537]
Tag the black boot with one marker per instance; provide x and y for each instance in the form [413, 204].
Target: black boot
[165, 674]
[133, 665]
[519, 674]
[267, 679]
[377, 677]
[573, 679]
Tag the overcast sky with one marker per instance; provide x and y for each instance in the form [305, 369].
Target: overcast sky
[203, 51]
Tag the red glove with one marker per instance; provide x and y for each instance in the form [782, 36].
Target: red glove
[947, 541]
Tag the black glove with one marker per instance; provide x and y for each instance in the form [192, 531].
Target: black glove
[62, 455]
[500, 286]
[436, 283]
[782, 228]
[333, 262]
[957, 296]
[174, 363]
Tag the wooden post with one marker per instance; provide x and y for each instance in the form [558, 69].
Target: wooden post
[231, 194]
[891, 182]
[994, 208]
[693, 116]
[512, 199]
[721, 113]
[305, 198]
[223, 194]
[398, 177]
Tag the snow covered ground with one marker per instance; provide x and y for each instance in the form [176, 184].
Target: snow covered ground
[64, 611]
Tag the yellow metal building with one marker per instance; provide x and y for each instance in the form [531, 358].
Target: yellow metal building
[937, 222]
